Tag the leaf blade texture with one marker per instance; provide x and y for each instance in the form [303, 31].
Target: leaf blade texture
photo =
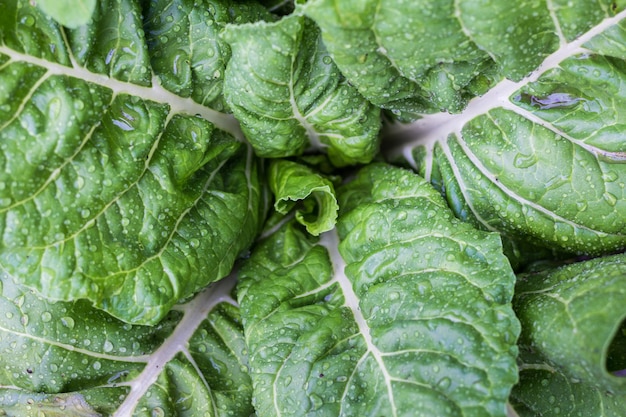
[532, 159]
[113, 187]
[579, 352]
[328, 333]
[290, 98]
[76, 359]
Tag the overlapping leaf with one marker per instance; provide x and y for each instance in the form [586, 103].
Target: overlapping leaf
[540, 160]
[413, 318]
[290, 97]
[576, 358]
[441, 54]
[111, 188]
[70, 359]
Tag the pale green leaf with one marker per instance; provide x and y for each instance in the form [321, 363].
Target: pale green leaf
[541, 160]
[69, 13]
[442, 54]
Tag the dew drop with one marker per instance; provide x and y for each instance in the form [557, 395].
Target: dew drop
[108, 346]
[610, 176]
[67, 322]
[28, 20]
[79, 183]
[610, 198]
[194, 243]
[316, 402]
[444, 383]
[97, 365]
[46, 316]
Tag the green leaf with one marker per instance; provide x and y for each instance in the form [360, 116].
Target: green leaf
[187, 52]
[296, 185]
[540, 160]
[546, 391]
[585, 306]
[114, 189]
[403, 311]
[290, 97]
[440, 55]
[572, 355]
[69, 359]
[69, 13]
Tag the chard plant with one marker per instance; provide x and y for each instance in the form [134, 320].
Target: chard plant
[320, 208]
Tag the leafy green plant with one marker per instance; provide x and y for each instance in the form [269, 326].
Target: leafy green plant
[329, 208]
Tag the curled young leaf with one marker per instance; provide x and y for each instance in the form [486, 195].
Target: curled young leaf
[312, 195]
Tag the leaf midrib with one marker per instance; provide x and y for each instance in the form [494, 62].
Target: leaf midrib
[156, 93]
[436, 127]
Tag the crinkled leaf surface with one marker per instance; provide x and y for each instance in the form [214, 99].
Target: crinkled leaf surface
[544, 391]
[403, 311]
[572, 342]
[540, 160]
[187, 52]
[69, 359]
[70, 13]
[112, 188]
[443, 53]
[290, 97]
[313, 196]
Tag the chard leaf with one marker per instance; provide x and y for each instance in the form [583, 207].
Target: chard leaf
[572, 357]
[61, 358]
[546, 391]
[296, 185]
[112, 188]
[290, 97]
[187, 52]
[540, 160]
[443, 53]
[69, 13]
[402, 311]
